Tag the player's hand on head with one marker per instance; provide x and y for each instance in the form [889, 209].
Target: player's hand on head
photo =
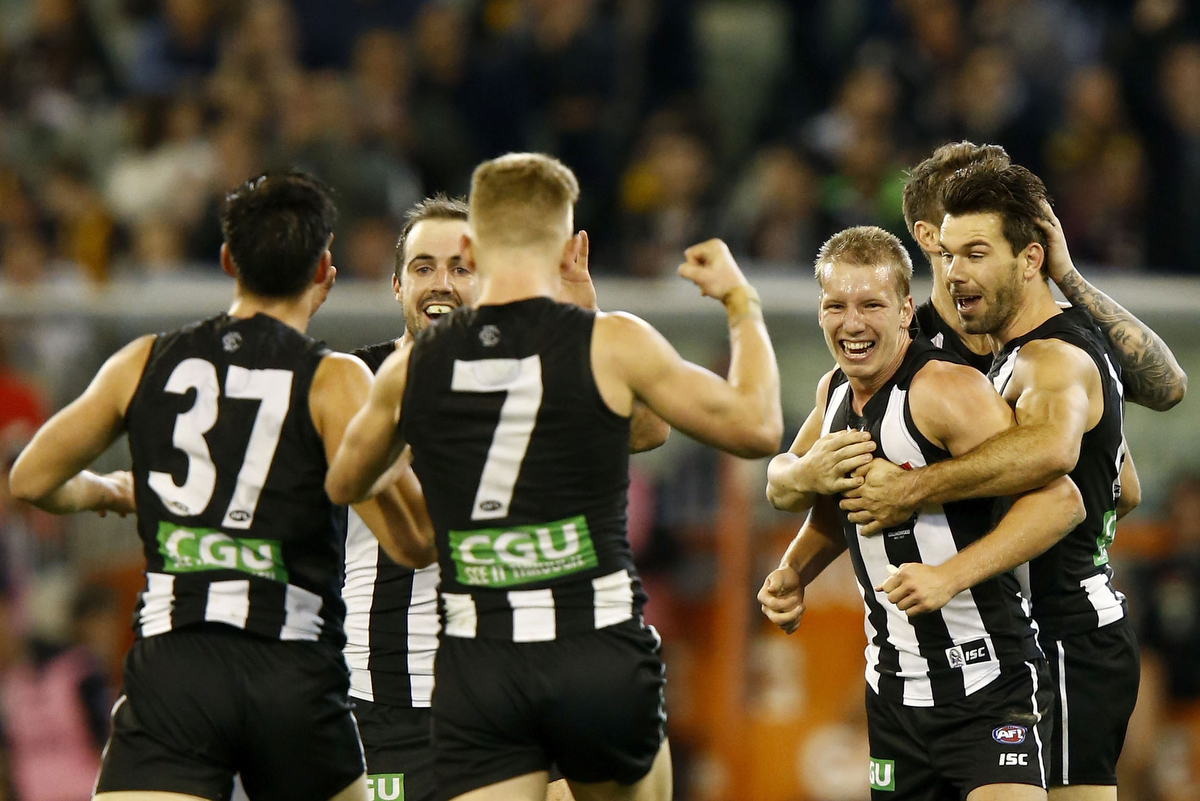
[1058, 257]
[829, 467]
[119, 497]
[710, 266]
[782, 598]
[916, 588]
[878, 502]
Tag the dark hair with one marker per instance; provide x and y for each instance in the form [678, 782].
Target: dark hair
[276, 226]
[438, 207]
[1009, 190]
[921, 199]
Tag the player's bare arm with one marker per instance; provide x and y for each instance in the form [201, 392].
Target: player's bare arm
[1151, 374]
[396, 512]
[817, 465]
[51, 472]
[956, 408]
[1056, 392]
[647, 430]
[817, 544]
[741, 414]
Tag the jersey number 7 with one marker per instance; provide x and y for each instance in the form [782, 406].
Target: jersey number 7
[273, 388]
[521, 379]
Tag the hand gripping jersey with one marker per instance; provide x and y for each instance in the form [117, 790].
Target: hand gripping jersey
[939, 657]
[1071, 584]
[229, 476]
[930, 325]
[391, 611]
[525, 473]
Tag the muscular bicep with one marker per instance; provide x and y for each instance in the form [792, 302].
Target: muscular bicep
[1054, 384]
[956, 408]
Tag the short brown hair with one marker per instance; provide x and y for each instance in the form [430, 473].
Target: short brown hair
[1008, 190]
[866, 246]
[438, 207]
[521, 199]
[922, 190]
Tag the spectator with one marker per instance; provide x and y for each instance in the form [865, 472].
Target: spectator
[1174, 213]
[775, 214]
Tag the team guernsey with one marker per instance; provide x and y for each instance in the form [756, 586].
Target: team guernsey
[525, 472]
[229, 476]
[391, 611]
[937, 658]
[1071, 584]
[930, 325]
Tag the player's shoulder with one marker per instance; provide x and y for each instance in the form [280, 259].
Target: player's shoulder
[1054, 358]
[948, 382]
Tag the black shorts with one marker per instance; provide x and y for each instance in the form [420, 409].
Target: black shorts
[1095, 679]
[203, 703]
[591, 703]
[399, 749]
[996, 735]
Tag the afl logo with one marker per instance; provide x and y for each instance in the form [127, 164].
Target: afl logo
[231, 341]
[1009, 735]
[489, 336]
[239, 516]
[489, 506]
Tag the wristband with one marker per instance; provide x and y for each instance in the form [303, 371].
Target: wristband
[742, 302]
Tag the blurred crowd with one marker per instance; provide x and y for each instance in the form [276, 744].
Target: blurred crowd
[769, 122]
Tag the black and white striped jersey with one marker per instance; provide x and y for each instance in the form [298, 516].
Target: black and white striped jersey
[1071, 583]
[229, 476]
[938, 657]
[929, 324]
[525, 472]
[391, 611]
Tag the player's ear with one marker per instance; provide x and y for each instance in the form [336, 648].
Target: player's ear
[926, 234]
[227, 265]
[396, 287]
[1033, 257]
[906, 311]
[570, 252]
[467, 250]
[324, 265]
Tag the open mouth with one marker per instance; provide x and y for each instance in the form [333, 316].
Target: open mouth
[435, 310]
[857, 350]
[965, 304]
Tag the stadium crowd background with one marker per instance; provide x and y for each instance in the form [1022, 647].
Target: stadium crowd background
[770, 123]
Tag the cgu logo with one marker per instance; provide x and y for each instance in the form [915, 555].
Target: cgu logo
[187, 550]
[883, 774]
[518, 548]
[385, 787]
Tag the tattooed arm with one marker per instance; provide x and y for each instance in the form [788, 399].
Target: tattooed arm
[1152, 376]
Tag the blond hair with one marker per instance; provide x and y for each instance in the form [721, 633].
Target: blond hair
[522, 199]
[866, 246]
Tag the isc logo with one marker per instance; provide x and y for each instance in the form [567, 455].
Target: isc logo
[1010, 760]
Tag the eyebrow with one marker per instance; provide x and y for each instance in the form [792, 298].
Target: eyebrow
[977, 242]
[430, 257]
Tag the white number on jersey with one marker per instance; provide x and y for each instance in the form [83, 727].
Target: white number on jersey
[522, 380]
[273, 388]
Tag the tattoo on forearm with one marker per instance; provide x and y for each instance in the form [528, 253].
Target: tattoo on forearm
[1150, 373]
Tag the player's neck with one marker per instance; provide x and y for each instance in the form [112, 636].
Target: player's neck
[506, 276]
[863, 389]
[943, 305]
[1036, 307]
[294, 311]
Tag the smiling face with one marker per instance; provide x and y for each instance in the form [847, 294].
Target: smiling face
[865, 319]
[985, 277]
[435, 279]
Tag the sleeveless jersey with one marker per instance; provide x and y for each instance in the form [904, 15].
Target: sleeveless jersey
[1071, 583]
[391, 611]
[229, 475]
[930, 325]
[938, 657]
[525, 473]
